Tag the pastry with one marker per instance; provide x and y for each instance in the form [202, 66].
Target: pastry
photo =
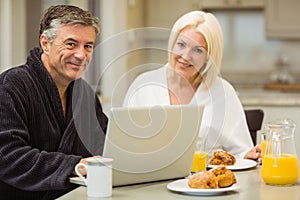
[222, 157]
[204, 179]
[224, 176]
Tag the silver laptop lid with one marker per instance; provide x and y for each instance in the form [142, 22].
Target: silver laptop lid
[152, 143]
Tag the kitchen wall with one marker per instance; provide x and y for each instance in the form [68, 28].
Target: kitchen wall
[248, 52]
[19, 24]
[12, 33]
[247, 49]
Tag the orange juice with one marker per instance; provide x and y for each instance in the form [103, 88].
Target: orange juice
[284, 172]
[263, 149]
[199, 162]
[264, 146]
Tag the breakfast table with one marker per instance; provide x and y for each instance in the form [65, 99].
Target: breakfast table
[251, 186]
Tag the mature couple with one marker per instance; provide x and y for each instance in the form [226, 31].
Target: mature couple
[47, 122]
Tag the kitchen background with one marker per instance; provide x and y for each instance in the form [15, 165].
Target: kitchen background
[261, 54]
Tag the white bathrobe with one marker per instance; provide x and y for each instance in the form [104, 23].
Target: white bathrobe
[223, 120]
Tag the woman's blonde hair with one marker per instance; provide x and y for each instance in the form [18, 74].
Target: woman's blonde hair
[208, 25]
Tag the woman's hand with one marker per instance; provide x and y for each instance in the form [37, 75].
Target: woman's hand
[254, 153]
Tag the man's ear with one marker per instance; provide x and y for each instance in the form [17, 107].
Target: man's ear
[44, 43]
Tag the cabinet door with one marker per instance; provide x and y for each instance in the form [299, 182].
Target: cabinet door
[282, 19]
[231, 4]
[164, 13]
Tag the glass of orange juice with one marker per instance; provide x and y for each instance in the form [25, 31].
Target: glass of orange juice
[199, 161]
[263, 142]
[200, 156]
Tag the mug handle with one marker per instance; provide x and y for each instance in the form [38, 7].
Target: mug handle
[79, 174]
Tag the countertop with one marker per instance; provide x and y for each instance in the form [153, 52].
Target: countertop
[255, 96]
[258, 96]
[250, 182]
[256, 89]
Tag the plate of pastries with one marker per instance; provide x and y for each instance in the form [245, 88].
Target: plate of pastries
[221, 157]
[213, 182]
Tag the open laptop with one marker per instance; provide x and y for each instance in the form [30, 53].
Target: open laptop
[152, 143]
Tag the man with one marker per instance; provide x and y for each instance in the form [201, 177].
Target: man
[50, 118]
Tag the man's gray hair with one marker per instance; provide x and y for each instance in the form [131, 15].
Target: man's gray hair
[55, 16]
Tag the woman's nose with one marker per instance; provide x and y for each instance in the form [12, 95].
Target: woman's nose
[186, 54]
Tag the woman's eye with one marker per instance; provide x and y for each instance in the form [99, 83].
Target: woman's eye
[197, 50]
[180, 44]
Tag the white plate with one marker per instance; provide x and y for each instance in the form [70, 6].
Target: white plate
[181, 186]
[77, 180]
[239, 164]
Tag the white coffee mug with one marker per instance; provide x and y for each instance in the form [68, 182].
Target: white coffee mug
[99, 176]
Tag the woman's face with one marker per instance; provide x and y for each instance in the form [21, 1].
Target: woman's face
[189, 53]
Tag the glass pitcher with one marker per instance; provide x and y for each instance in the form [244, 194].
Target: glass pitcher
[280, 164]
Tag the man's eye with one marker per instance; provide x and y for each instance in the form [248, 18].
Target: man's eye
[70, 45]
[89, 47]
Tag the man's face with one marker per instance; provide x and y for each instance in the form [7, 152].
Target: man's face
[70, 53]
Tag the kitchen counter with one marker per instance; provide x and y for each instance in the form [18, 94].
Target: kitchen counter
[255, 89]
[250, 182]
[255, 96]
[261, 97]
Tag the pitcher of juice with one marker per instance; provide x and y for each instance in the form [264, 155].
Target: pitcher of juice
[280, 164]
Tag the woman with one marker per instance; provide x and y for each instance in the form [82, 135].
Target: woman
[191, 77]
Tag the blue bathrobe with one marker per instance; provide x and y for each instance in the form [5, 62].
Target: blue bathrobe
[39, 146]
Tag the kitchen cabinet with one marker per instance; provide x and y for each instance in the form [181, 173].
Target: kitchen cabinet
[282, 19]
[164, 13]
[231, 4]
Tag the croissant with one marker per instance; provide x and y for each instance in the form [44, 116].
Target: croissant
[222, 157]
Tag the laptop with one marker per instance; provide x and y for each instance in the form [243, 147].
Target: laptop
[152, 143]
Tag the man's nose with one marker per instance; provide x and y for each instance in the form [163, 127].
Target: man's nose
[80, 53]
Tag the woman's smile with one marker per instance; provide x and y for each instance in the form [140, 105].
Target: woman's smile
[183, 64]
